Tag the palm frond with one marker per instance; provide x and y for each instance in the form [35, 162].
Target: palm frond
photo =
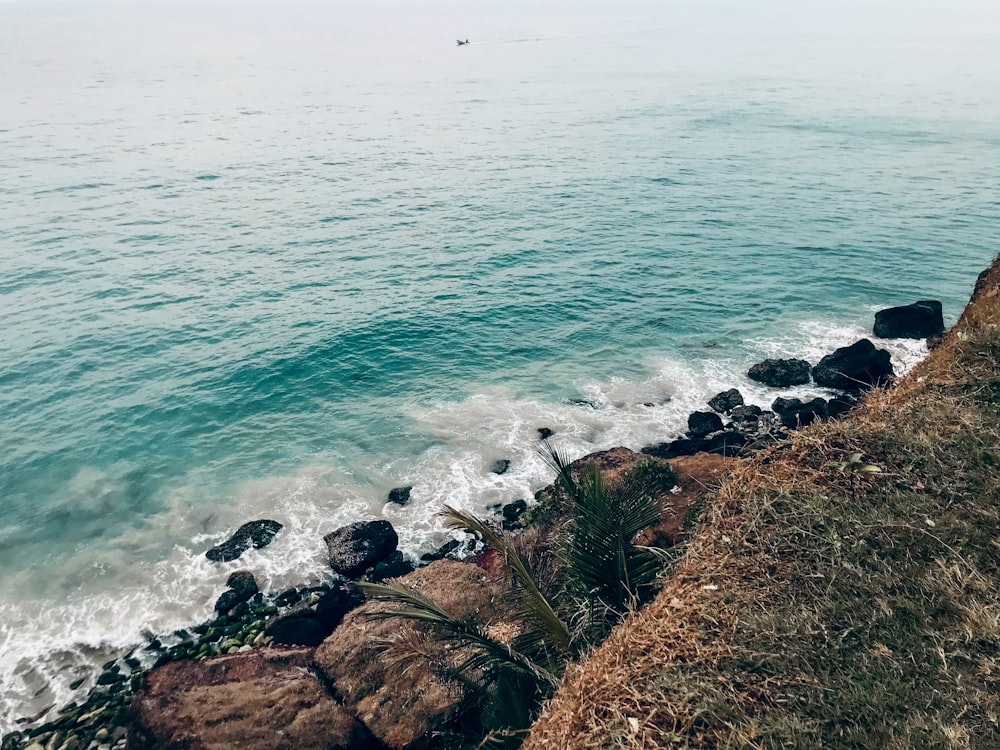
[533, 604]
[605, 521]
[491, 654]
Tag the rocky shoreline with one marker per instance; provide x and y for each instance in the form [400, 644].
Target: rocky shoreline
[304, 654]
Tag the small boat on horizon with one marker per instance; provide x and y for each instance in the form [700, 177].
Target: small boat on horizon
[461, 43]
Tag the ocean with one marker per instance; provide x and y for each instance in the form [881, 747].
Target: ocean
[270, 260]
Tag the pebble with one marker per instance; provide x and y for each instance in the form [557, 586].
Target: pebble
[35, 746]
[102, 735]
[54, 741]
[72, 743]
[244, 649]
[259, 639]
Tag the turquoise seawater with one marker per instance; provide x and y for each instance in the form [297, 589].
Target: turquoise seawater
[274, 259]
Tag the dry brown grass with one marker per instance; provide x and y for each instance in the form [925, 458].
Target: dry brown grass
[810, 613]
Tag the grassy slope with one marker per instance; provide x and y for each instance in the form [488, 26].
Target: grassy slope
[808, 613]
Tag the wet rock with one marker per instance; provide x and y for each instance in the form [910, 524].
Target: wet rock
[854, 367]
[501, 466]
[299, 626]
[253, 534]
[726, 401]
[920, 320]
[512, 513]
[702, 423]
[399, 495]
[266, 699]
[780, 373]
[358, 546]
[544, 433]
[334, 604]
[242, 587]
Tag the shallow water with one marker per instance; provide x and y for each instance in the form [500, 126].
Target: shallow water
[271, 260]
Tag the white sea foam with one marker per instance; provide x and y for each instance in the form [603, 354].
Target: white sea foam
[139, 584]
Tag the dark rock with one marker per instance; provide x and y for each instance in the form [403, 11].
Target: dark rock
[445, 550]
[501, 466]
[854, 367]
[675, 448]
[393, 566]
[780, 373]
[358, 546]
[726, 443]
[840, 405]
[545, 433]
[286, 598]
[702, 423]
[920, 320]
[242, 586]
[749, 413]
[253, 534]
[11, 741]
[726, 401]
[110, 678]
[399, 495]
[299, 626]
[512, 513]
[795, 413]
[337, 602]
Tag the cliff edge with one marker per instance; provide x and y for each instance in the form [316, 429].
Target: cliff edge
[842, 590]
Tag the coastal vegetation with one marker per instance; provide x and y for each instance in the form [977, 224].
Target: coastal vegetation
[602, 575]
[821, 606]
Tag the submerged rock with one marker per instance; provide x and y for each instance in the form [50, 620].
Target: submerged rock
[252, 534]
[726, 401]
[780, 373]
[920, 320]
[854, 367]
[544, 433]
[501, 466]
[361, 545]
[399, 495]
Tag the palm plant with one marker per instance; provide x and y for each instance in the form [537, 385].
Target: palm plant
[606, 575]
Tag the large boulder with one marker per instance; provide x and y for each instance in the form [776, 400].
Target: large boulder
[726, 401]
[265, 699]
[702, 423]
[407, 703]
[358, 546]
[780, 373]
[252, 534]
[854, 367]
[920, 320]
